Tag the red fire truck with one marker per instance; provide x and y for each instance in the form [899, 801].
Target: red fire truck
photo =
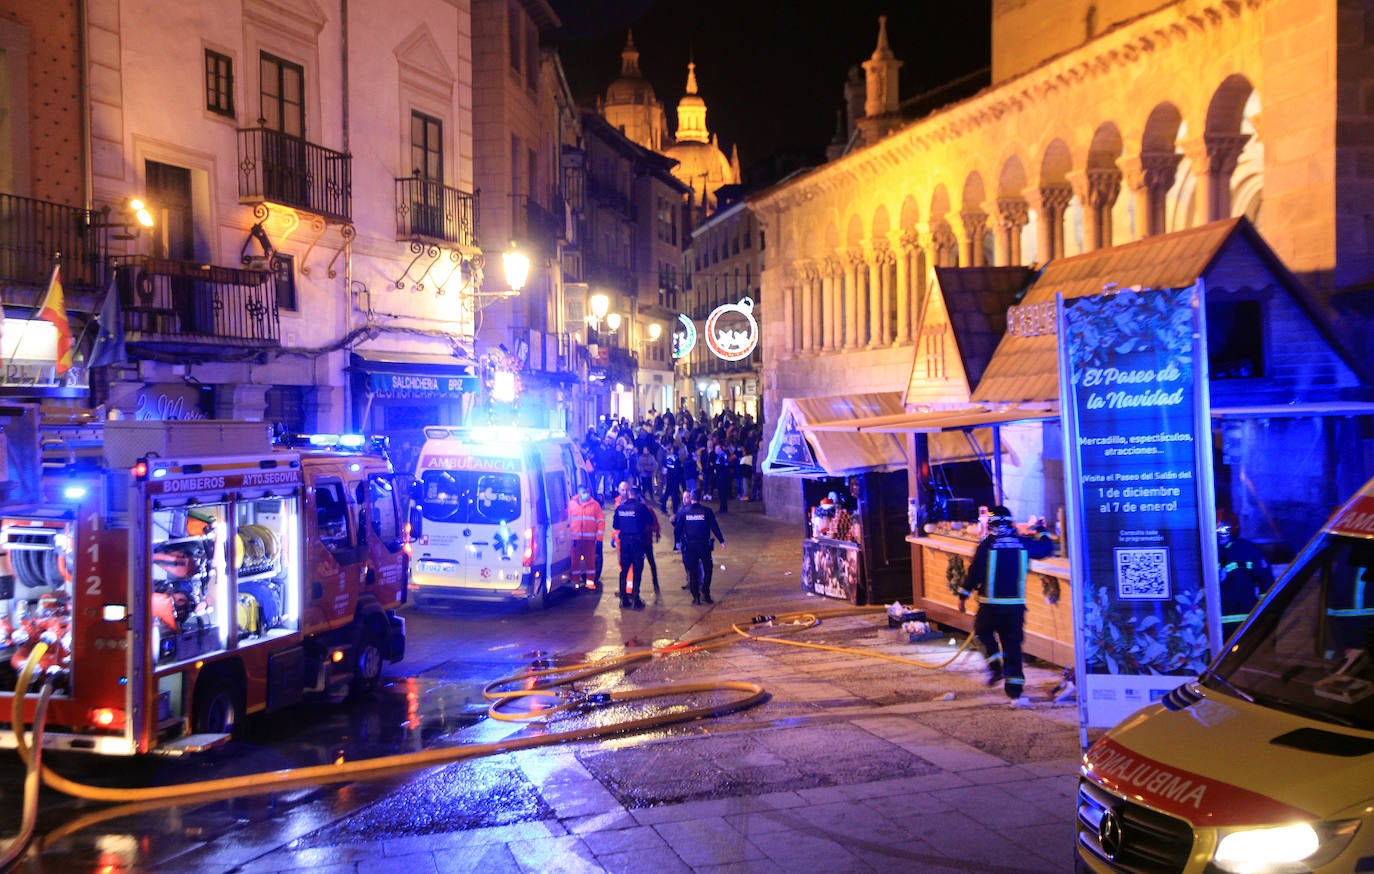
[185, 574]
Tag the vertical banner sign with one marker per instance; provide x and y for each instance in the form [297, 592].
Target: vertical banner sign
[1133, 384]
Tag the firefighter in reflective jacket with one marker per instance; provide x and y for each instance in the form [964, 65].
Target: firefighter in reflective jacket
[998, 574]
[633, 526]
[694, 527]
[1245, 576]
[587, 525]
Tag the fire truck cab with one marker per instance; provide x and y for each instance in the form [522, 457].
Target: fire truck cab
[185, 574]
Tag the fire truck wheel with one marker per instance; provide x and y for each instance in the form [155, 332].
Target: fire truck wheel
[367, 666]
[218, 706]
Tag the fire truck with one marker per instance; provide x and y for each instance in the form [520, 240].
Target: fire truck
[187, 574]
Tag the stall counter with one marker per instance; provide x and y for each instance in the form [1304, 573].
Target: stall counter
[1049, 598]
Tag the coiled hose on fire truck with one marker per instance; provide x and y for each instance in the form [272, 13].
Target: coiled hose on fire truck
[541, 686]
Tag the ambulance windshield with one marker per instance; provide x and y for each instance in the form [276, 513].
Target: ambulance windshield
[1310, 650]
[470, 497]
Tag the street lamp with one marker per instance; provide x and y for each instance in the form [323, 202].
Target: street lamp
[655, 331]
[516, 265]
[601, 314]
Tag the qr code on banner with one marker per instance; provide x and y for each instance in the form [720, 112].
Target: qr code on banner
[1142, 573]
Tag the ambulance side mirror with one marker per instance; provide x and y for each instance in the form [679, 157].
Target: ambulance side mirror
[416, 523]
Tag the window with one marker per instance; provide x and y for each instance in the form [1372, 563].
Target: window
[331, 516]
[427, 146]
[513, 29]
[531, 56]
[1235, 339]
[219, 83]
[384, 512]
[283, 268]
[282, 92]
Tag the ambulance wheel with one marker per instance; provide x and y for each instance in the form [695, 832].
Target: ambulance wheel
[218, 706]
[539, 600]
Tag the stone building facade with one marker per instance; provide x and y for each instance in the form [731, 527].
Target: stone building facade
[1152, 118]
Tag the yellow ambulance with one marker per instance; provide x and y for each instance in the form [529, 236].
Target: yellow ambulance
[1265, 763]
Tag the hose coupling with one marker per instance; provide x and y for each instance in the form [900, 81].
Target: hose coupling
[596, 699]
[763, 619]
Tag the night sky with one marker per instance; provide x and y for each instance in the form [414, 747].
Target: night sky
[771, 71]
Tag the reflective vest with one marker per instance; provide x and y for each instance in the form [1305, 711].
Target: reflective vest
[586, 521]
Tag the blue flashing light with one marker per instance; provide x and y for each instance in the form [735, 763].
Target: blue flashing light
[159, 472]
[355, 467]
[75, 492]
[352, 441]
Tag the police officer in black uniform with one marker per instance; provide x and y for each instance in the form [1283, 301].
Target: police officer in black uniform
[633, 526]
[998, 573]
[694, 528]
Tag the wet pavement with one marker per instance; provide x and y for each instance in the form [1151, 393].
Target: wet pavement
[853, 763]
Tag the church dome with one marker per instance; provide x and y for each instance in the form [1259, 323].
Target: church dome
[631, 87]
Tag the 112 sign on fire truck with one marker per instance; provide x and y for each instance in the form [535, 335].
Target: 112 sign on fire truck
[184, 574]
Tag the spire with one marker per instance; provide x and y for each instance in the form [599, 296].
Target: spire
[691, 112]
[629, 56]
[881, 74]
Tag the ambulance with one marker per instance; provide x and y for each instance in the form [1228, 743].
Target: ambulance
[186, 574]
[489, 517]
[1265, 763]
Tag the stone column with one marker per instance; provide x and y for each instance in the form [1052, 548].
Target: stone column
[1214, 158]
[855, 301]
[1012, 214]
[1150, 175]
[805, 277]
[831, 323]
[1098, 189]
[879, 295]
[1051, 200]
[944, 244]
[975, 225]
[903, 286]
[790, 320]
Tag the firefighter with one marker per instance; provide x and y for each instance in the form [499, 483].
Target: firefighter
[587, 525]
[998, 573]
[695, 530]
[1244, 575]
[633, 526]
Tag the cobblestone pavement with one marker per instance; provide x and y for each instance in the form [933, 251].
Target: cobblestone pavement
[852, 764]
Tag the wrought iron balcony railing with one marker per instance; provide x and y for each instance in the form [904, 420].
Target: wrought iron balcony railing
[430, 211]
[278, 168]
[33, 231]
[183, 304]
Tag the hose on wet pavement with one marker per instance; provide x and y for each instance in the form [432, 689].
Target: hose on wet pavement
[535, 683]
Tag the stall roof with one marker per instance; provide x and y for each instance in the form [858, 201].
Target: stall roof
[973, 417]
[1026, 368]
[796, 450]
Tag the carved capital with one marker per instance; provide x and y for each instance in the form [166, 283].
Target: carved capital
[1012, 213]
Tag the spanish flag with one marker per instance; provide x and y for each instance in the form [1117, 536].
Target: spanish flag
[54, 310]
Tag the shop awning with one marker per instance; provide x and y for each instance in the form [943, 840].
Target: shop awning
[798, 451]
[414, 375]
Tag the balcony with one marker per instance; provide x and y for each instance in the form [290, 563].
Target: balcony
[278, 168]
[428, 211]
[186, 310]
[33, 231]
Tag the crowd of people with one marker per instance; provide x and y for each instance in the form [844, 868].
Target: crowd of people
[665, 454]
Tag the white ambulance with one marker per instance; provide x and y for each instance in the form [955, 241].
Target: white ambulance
[490, 515]
[1265, 763]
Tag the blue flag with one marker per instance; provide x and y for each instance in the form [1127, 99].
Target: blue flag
[109, 339]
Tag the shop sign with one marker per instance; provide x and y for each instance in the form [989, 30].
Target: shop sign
[416, 385]
[1140, 484]
[170, 402]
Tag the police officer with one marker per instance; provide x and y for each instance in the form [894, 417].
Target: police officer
[695, 529]
[633, 526]
[1245, 576]
[998, 574]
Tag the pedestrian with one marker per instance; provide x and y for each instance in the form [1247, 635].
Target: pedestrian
[695, 531]
[672, 478]
[633, 526]
[1244, 573]
[605, 463]
[587, 526]
[998, 574]
[647, 469]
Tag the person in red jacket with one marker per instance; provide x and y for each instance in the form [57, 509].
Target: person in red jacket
[587, 525]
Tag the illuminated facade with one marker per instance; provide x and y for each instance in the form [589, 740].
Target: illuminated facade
[1134, 120]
